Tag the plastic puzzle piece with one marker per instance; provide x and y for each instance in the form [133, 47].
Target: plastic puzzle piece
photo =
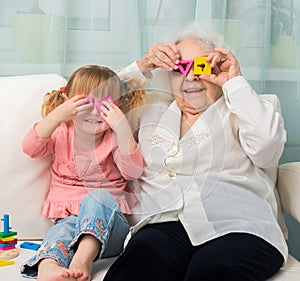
[6, 262]
[99, 104]
[7, 244]
[201, 66]
[8, 240]
[9, 234]
[90, 100]
[6, 226]
[7, 247]
[30, 246]
[9, 254]
[184, 66]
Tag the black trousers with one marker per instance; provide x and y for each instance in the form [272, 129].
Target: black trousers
[163, 252]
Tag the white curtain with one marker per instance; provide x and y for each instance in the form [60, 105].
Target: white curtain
[58, 36]
[42, 36]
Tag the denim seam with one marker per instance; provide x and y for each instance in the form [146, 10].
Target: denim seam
[101, 238]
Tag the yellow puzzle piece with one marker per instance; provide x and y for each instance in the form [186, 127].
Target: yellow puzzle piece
[6, 262]
[201, 66]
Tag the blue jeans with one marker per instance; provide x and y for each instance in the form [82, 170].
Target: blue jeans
[99, 216]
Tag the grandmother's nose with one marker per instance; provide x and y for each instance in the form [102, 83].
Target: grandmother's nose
[191, 76]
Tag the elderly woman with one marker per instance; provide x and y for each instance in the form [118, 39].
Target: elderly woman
[207, 203]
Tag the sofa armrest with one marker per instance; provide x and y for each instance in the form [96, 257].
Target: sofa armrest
[288, 185]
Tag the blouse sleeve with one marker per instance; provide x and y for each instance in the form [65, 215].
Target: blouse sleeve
[130, 165]
[37, 147]
[261, 127]
[132, 70]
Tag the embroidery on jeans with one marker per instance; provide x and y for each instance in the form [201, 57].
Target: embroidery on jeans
[85, 222]
[64, 249]
[100, 229]
[100, 226]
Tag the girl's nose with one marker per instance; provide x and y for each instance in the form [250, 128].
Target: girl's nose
[94, 109]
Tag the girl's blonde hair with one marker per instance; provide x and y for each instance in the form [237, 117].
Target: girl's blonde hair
[99, 81]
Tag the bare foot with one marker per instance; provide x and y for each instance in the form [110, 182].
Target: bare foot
[84, 267]
[49, 270]
[82, 261]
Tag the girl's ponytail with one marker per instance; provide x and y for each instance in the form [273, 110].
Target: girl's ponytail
[132, 99]
[52, 100]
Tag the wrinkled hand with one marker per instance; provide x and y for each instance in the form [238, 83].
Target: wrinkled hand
[225, 66]
[68, 110]
[160, 55]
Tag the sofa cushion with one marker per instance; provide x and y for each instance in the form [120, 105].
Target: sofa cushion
[24, 181]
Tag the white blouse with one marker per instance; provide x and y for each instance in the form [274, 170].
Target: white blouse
[213, 179]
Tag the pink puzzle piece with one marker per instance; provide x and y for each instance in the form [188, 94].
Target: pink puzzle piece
[184, 66]
[99, 104]
[90, 100]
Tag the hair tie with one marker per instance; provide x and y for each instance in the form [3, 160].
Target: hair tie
[124, 88]
[63, 89]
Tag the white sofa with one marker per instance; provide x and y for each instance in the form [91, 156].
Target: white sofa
[24, 181]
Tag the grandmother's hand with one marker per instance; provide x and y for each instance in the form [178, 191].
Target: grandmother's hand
[160, 55]
[225, 66]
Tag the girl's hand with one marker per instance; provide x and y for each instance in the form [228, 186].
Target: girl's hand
[225, 66]
[63, 113]
[69, 109]
[160, 55]
[113, 116]
[118, 122]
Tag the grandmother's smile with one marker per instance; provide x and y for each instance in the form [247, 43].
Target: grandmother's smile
[193, 90]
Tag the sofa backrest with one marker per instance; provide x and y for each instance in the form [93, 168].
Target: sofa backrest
[24, 181]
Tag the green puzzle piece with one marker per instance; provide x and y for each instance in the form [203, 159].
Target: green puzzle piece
[10, 233]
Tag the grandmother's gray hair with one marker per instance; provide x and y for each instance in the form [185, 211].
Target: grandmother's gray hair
[206, 35]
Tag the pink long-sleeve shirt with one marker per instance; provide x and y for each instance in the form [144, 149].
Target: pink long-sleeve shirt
[75, 172]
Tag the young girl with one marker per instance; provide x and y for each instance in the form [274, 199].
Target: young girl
[94, 154]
